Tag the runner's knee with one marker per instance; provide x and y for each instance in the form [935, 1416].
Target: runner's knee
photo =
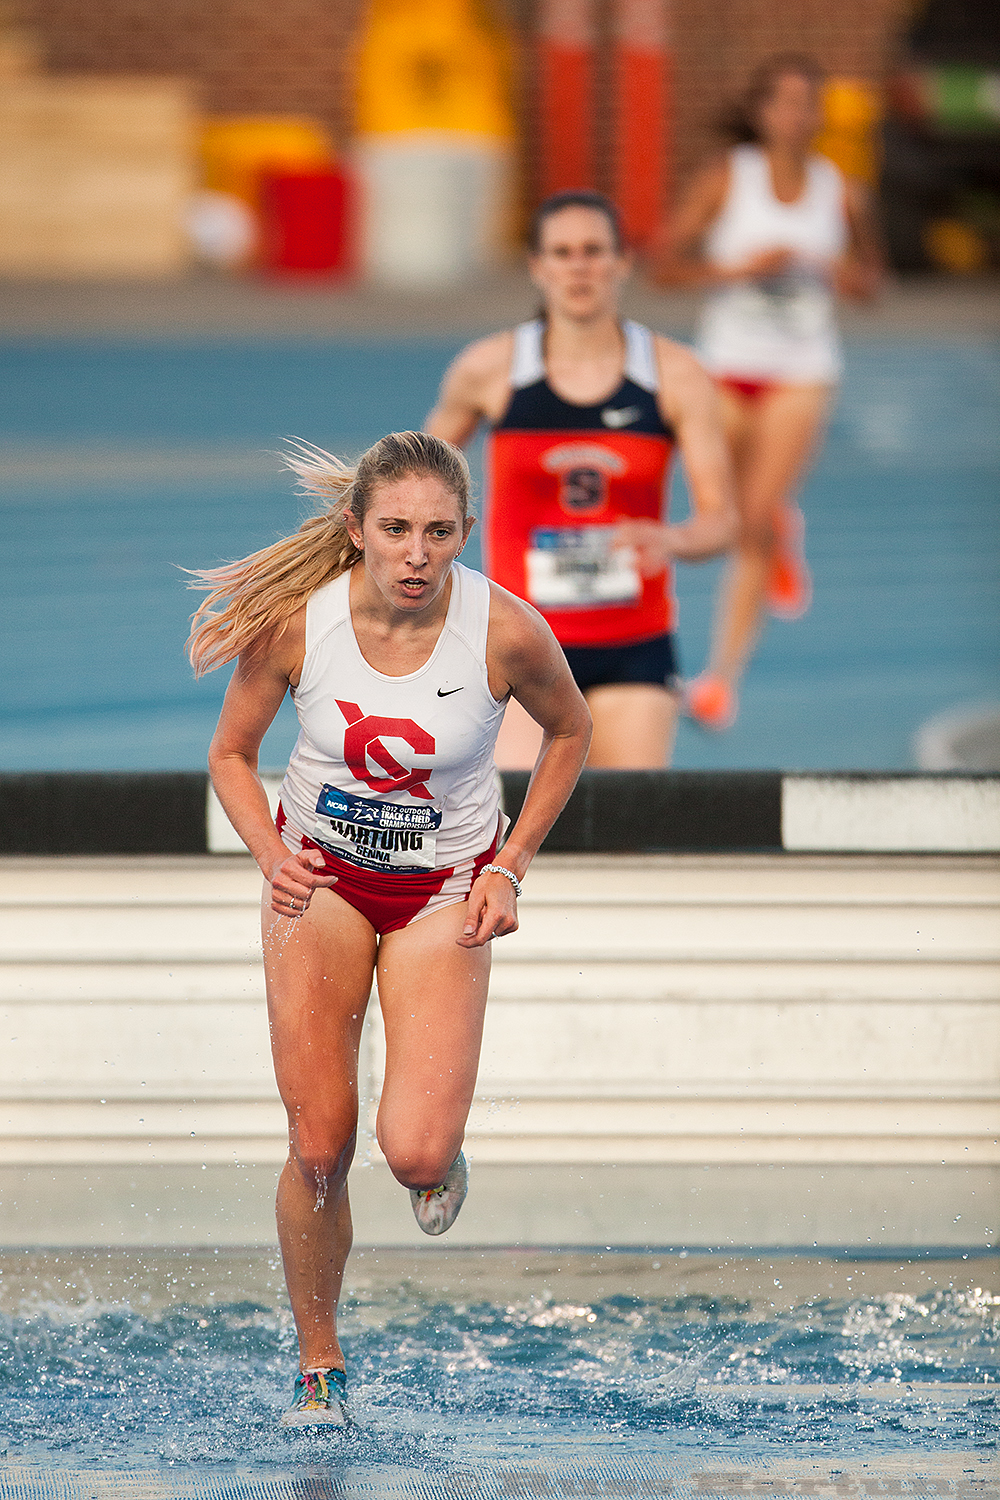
[322, 1147]
[420, 1163]
[757, 533]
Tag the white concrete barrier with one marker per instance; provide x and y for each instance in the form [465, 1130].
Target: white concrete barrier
[890, 813]
[680, 1049]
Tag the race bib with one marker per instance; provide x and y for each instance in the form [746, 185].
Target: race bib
[376, 835]
[577, 567]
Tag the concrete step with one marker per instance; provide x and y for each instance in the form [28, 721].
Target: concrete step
[651, 928]
[923, 978]
[654, 1012]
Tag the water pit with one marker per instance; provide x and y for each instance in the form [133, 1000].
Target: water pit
[504, 1373]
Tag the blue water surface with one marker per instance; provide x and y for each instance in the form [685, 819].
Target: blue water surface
[123, 463]
[441, 1384]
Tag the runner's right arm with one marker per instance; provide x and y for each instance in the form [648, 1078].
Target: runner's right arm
[255, 693]
[475, 388]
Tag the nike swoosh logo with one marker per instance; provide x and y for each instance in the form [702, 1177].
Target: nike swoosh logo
[442, 694]
[620, 416]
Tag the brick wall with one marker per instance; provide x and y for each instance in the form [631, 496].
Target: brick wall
[294, 55]
[253, 56]
[720, 43]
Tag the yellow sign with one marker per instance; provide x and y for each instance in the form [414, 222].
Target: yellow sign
[433, 65]
[852, 111]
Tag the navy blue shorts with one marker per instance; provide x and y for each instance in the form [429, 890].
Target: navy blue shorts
[652, 661]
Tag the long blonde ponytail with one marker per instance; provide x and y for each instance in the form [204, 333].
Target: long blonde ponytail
[267, 587]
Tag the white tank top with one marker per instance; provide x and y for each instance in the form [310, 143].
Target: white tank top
[396, 773]
[527, 366]
[783, 327]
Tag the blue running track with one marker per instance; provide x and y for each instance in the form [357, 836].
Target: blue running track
[122, 462]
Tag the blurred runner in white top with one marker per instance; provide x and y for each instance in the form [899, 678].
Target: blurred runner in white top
[774, 231]
[780, 328]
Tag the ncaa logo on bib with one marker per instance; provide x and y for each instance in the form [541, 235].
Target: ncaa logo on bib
[363, 744]
[583, 470]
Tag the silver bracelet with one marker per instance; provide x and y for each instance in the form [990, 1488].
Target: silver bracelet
[499, 870]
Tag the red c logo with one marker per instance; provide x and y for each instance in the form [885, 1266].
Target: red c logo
[361, 740]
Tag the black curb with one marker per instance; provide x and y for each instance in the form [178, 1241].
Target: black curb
[148, 812]
[646, 812]
[610, 812]
[103, 812]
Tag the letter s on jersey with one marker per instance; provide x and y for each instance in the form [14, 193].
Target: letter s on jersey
[361, 741]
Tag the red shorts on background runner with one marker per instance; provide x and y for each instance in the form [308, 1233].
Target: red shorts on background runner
[750, 390]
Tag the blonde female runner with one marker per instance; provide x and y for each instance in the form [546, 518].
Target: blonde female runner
[383, 858]
[774, 231]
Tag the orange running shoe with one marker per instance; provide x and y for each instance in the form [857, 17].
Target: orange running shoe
[711, 702]
[789, 584]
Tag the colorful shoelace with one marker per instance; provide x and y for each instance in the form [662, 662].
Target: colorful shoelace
[312, 1389]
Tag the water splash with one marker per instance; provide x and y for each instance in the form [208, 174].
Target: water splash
[433, 1379]
[275, 938]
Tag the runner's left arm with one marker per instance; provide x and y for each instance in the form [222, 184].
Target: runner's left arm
[689, 402]
[525, 660]
[860, 273]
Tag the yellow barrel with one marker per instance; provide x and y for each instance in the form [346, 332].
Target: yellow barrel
[852, 111]
[235, 150]
[434, 149]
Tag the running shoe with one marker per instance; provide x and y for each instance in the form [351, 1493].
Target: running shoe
[318, 1400]
[711, 702]
[436, 1209]
[789, 584]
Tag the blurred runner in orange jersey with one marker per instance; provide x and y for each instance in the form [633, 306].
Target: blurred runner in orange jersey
[584, 413]
[774, 231]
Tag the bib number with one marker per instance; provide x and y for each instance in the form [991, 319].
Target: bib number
[578, 567]
[376, 835]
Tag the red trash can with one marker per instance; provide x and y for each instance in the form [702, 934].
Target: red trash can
[306, 221]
